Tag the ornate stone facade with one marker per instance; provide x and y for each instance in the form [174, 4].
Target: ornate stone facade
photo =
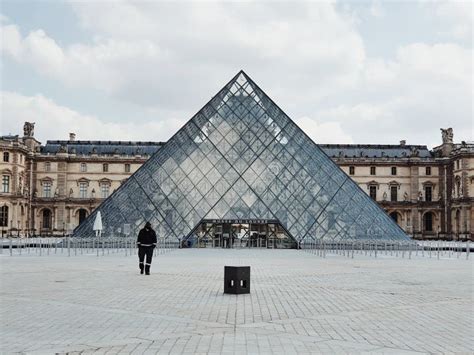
[49, 189]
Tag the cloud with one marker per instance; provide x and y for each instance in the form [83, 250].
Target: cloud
[424, 88]
[169, 58]
[149, 53]
[457, 15]
[54, 121]
[324, 132]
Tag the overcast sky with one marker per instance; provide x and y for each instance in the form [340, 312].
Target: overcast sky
[346, 72]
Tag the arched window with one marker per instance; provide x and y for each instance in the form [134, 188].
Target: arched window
[82, 215]
[47, 219]
[428, 221]
[4, 216]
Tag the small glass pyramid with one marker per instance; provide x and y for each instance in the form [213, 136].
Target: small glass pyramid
[242, 157]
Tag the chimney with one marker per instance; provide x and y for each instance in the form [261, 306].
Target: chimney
[403, 142]
[72, 137]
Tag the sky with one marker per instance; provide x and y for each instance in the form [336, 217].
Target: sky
[361, 72]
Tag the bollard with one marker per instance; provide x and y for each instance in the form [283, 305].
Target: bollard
[438, 250]
[11, 248]
[68, 246]
[468, 249]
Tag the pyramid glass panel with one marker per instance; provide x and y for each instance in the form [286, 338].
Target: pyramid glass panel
[241, 165]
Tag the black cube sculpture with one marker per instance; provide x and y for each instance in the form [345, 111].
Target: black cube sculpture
[236, 279]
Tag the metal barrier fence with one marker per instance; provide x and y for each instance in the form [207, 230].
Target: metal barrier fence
[79, 246]
[428, 249]
[101, 246]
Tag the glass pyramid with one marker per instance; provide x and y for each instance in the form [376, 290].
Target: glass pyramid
[242, 157]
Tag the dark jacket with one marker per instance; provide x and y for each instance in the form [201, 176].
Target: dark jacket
[146, 237]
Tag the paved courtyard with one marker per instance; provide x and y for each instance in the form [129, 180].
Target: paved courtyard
[299, 303]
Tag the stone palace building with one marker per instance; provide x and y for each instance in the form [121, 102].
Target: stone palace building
[50, 189]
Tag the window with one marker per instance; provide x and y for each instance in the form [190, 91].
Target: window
[6, 183]
[47, 219]
[83, 189]
[105, 167]
[46, 188]
[394, 170]
[393, 193]
[127, 168]
[394, 216]
[457, 162]
[428, 193]
[351, 170]
[428, 170]
[82, 215]
[4, 216]
[373, 192]
[6, 157]
[83, 167]
[104, 190]
[428, 219]
[47, 166]
[372, 170]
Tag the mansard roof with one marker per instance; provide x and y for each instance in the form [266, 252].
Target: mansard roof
[376, 150]
[101, 147]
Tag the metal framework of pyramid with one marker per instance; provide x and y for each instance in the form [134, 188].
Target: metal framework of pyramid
[242, 157]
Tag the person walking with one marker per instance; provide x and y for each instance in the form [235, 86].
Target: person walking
[146, 243]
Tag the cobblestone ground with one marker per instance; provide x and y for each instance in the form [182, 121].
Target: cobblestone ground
[299, 303]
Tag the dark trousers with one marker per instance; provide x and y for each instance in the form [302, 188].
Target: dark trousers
[142, 252]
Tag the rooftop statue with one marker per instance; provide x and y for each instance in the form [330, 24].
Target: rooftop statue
[29, 129]
[447, 135]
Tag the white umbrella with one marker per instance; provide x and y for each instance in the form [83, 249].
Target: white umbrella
[97, 224]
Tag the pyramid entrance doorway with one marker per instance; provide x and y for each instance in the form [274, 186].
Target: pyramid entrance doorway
[240, 233]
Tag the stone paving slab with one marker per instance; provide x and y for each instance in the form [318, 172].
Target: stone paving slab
[300, 303]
